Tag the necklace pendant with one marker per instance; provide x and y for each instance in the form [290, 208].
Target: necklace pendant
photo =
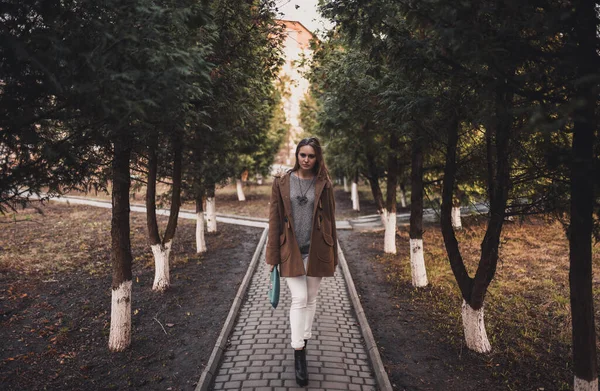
[302, 200]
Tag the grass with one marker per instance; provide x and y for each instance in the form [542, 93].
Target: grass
[66, 238]
[527, 307]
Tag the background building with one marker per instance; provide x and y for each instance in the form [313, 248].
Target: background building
[296, 48]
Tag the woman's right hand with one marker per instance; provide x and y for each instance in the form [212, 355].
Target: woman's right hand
[271, 267]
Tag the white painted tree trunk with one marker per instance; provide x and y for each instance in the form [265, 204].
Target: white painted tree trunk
[346, 185]
[259, 179]
[474, 328]
[240, 190]
[211, 215]
[355, 203]
[402, 198]
[200, 241]
[120, 318]
[417, 263]
[383, 216]
[161, 254]
[456, 221]
[389, 242]
[585, 385]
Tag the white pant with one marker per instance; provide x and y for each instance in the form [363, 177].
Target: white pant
[304, 291]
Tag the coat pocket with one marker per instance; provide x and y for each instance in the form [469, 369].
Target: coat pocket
[328, 239]
[285, 250]
[325, 253]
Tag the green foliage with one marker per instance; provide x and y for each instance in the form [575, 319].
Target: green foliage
[238, 133]
[447, 57]
[80, 76]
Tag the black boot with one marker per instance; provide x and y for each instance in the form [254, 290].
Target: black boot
[305, 354]
[300, 367]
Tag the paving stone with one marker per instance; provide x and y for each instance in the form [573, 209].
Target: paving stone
[338, 378]
[334, 385]
[232, 385]
[239, 376]
[370, 381]
[333, 371]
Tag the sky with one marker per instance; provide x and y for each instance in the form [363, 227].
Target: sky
[304, 11]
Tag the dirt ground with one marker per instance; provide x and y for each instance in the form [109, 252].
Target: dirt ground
[55, 302]
[527, 312]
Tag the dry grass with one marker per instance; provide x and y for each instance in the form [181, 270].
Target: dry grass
[65, 238]
[256, 204]
[527, 310]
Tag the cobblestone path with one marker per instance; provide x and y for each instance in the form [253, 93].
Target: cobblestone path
[259, 355]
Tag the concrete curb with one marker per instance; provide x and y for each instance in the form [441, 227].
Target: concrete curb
[183, 214]
[383, 382]
[217, 354]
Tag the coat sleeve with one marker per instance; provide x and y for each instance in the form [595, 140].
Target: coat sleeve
[272, 255]
[333, 227]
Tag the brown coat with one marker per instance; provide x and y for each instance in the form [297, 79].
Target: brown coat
[282, 247]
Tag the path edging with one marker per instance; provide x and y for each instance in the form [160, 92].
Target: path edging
[217, 354]
[381, 377]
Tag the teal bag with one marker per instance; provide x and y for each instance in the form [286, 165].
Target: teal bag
[274, 288]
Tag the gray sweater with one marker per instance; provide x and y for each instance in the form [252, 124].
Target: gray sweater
[302, 214]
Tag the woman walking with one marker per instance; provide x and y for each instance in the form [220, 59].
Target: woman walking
[303, 240]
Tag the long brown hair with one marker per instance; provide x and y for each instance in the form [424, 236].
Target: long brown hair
[320, 168]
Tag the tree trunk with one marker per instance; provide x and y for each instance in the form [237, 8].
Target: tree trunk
[176, 193]
[474, 328]
[456, 221]
[461, 275]
[402, 195]
[151, 221]
[200, 241]
[211, 210]
[346, 189]
[355, 200]
[121, 259]
[389, 239]
[377, 194]
[240, 190]
[389, 243]
[373, 178]
[582, 203]
[162, 278]
[474, 335]
[417, 259]
[161, 249]
[499, 188]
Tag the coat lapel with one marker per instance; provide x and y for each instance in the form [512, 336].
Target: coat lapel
[319, 186]
[284, 186]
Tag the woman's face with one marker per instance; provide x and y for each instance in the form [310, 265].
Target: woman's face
[307, 157]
